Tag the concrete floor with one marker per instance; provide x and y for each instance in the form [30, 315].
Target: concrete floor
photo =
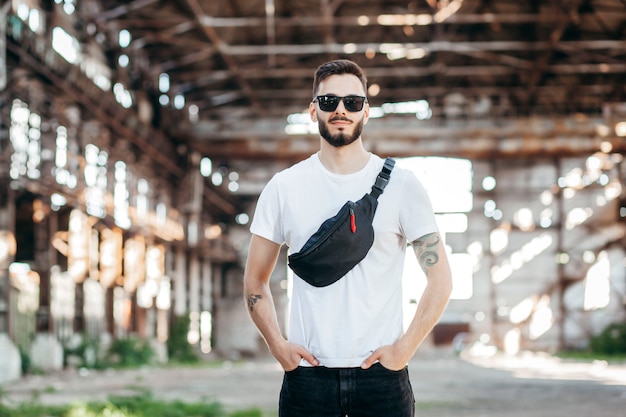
[529, 385]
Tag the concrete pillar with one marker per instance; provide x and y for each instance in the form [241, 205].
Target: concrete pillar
[194, 299]
[207, 286]
[194, 283]
[180, 281]
[206, 317]
[8, 244]
[3, 48]
[10, 360]
[46, 353]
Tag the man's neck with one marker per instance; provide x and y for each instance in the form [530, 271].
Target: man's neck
[344, 159]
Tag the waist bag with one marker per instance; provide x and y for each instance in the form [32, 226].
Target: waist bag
[343, 240]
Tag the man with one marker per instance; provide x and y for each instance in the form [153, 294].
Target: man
[347, 351]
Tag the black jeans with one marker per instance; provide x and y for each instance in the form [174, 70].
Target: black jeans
[352, 392]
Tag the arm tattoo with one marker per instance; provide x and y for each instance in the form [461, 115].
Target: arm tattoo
[252, 300]
[426, 249]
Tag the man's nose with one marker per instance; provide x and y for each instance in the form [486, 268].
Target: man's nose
[341, 109]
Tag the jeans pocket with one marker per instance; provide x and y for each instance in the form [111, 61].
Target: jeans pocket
[382, 367]
[293, 371]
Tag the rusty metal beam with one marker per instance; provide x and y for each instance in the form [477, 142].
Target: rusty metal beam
[401, 20]
[123, 9]
[148, 147]
[543, 59]
[208, 77]
[479, 139]
[152, 144]
[233, 67]
[434, 46]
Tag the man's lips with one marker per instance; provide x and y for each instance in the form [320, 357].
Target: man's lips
[340, 121]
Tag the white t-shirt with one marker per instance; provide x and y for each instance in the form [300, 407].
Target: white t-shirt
[343, 323]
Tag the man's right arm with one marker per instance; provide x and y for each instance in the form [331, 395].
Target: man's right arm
[262, 257]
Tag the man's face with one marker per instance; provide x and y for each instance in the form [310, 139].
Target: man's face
[340, 127]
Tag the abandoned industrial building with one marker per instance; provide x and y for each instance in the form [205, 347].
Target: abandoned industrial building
[137, 135]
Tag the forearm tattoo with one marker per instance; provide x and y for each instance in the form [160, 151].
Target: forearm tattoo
[426, 249]
[252, 300]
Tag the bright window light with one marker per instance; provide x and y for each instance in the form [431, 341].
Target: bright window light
[233, 186]
[164, 83]
[542, 319]
[452, 222]
[206, 167]
[65, 45]
[242, 218]
[124, 38]
[194, 113]
[123, 61]
[179, 101]
[217, 179]
[489, 183]
[122, 95]
[462, 266]
[34, 20]
[597, 284]
[447, 180]
[23, 11]
[58, 200]
[69, 8]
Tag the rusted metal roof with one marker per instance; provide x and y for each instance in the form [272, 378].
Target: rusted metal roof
[247, 65]
[494, 79]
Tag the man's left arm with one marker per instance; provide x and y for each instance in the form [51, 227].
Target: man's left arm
[432, 258]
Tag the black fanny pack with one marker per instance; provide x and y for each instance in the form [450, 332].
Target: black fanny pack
[343, 240]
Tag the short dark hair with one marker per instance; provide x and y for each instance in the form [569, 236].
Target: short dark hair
[338, 67]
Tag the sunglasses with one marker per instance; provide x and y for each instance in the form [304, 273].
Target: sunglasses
[351, 103]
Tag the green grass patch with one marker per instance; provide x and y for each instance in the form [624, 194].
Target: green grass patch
[609, 345]
[143, 405]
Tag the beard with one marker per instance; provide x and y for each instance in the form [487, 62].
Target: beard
[341, 138]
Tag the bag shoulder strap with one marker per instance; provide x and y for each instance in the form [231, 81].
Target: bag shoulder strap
[383, 178]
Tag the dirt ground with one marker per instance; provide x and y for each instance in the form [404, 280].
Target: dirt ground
[528, 385]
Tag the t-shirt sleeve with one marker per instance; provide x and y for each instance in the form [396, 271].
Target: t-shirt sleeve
[416, 212]
[265, 222]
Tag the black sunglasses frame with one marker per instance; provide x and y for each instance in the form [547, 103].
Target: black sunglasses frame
[352, 103]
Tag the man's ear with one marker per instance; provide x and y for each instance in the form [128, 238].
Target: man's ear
[313, 112]
[366, 116]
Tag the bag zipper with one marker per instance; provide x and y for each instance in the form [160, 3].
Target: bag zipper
[352, 220]
[341, 216]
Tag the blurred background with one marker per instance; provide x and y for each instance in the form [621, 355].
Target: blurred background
[136, 136]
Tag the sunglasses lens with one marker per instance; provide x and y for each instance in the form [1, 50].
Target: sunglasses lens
[351, 103]
[328, 103]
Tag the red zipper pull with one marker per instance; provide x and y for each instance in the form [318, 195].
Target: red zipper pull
[352, 221]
